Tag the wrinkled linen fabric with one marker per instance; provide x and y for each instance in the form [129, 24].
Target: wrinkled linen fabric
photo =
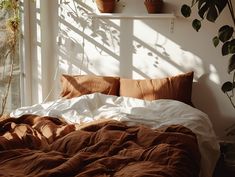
[35, 146]
[154, 114]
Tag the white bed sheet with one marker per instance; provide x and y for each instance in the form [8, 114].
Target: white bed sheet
[152, 113]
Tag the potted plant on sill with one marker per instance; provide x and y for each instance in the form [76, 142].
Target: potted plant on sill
[154, 6]
[106, 6]
[12, 30]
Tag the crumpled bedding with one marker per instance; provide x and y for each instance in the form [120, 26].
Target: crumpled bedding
[37, 146]
[154, 114]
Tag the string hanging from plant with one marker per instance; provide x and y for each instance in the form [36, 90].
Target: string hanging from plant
[12, 31]
[211, 10]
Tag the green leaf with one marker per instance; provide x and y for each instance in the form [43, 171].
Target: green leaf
[185, 10]
[220, 4]
[225, 48]
[228, 47]
[225, 33]
[211, 8]
[202, 11]
[231, 65]
[212, 14]
[201, 3]
[215, 41]
[6, 4]
[196, 24]
[227, 86]
[232, 46]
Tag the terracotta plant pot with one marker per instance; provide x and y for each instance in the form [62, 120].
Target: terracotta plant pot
[106, 6]
[154, 6]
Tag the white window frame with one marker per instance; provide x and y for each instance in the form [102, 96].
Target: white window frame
[38, 49]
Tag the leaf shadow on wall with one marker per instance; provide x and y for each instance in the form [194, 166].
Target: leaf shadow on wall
[106, 47]
[207, 95]
[109, 39]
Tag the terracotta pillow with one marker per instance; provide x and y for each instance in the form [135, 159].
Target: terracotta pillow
[77, 85]
[177, 87]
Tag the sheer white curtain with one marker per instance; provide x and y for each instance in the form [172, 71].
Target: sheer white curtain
[39, 30]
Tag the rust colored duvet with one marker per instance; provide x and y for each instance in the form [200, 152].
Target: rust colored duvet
[48, 147]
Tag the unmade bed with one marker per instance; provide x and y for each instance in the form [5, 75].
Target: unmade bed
[101, 134]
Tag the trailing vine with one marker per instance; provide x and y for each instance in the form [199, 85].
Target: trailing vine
[210, 10]
[12, 30]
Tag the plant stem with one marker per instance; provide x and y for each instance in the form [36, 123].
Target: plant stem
[4, 100]
[12, 6]
[230, 99]
[230, 5]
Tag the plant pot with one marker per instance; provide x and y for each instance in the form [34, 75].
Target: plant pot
[106, 6]
[154, 6]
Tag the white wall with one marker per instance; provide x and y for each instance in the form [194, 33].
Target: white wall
[70, 41]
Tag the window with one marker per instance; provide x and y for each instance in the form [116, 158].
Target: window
[9, 68]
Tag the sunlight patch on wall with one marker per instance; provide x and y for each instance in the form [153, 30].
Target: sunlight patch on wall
[133, 48]
[157, 56]
[86, 42]
[214, 75]
[127, 47]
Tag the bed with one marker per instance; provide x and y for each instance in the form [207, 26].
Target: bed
[104, 134]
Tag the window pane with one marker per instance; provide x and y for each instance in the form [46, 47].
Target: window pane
[13, 98]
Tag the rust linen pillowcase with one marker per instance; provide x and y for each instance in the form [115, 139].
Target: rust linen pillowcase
[78, 85]
[177, 87]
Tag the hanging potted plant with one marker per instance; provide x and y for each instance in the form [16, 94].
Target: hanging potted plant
[106, 6]
[154, 6]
